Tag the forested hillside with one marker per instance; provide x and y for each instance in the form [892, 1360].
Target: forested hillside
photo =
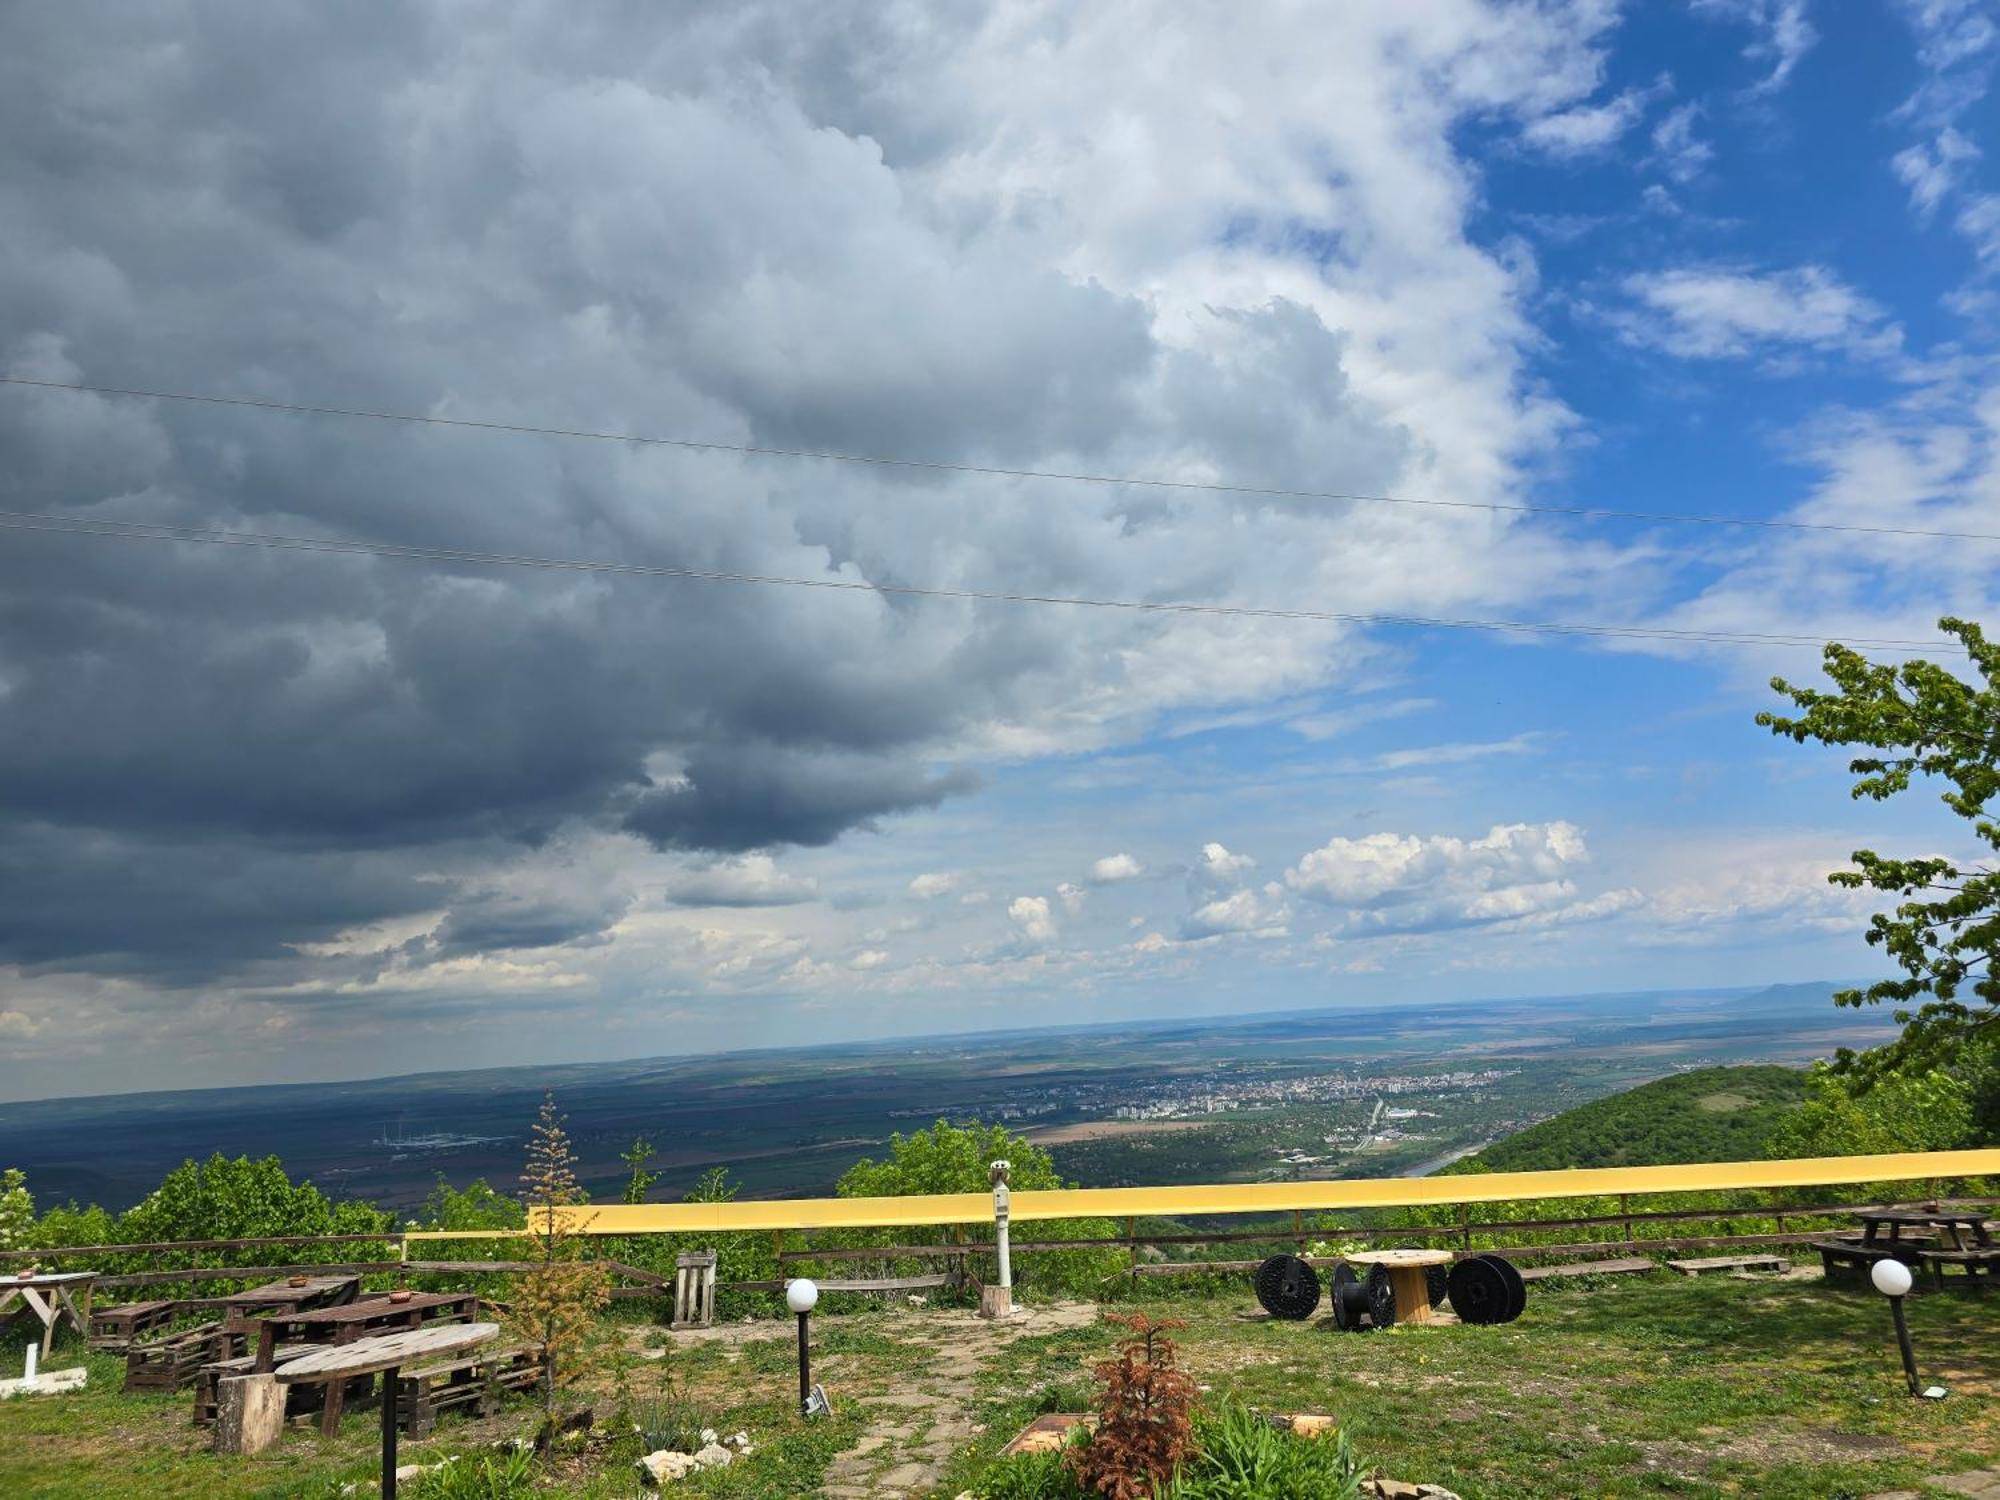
[1712, 1114]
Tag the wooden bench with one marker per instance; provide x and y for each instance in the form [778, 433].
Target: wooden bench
[475, 1380]
[113, 1330]
[1982, 1265]
[172, 1362]
[1630, 1265]
[1851, 1260]
[1709, 1263]
[209, 1377]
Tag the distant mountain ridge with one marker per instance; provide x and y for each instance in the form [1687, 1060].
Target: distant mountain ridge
[1708, 1114]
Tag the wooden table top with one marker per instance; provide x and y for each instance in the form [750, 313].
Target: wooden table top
[387, 1351]
[47, 1278]
[1394, 1258]
[1921, 1216]
[284, 1291]
[375, 1307]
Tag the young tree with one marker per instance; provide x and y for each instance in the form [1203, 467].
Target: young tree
[557, 1298]
[1920, 719]
[1145, 1416]
[639, 1179]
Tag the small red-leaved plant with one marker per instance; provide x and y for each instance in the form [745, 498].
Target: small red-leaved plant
[1145, 1417]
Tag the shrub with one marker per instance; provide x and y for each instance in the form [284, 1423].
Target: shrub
[1144, 1416]
[1029, 1476]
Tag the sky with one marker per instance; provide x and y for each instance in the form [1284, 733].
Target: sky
[271, 814]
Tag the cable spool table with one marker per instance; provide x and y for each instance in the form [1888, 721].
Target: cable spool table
[1407, 1276]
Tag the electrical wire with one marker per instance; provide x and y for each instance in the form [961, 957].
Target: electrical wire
[1575, 512]
[150, 531]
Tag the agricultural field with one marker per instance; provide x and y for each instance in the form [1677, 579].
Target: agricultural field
[1640, 1386]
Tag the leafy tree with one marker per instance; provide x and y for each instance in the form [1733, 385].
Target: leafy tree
[17, 1210]
[949, 1159]
[228, 1198]
[639, 1179]
[479, 1206]
[557, 1298]
[714, 1186]
[1920, 719]
[1905, 1111]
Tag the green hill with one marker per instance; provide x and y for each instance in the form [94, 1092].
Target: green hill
[1712, 1114]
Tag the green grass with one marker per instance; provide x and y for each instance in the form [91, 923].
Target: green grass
[1639, 1387]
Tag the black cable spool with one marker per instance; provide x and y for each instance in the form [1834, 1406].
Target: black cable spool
[1363, 1303]
[1438, 1279]
[1487, 1289]
[1287, 1288]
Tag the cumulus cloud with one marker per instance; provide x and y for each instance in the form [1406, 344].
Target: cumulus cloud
[933, 884]
[1725, 312]
[1115, 868]
[921, 235]
[1591, 128]
[1388, 882]
[1033, 921]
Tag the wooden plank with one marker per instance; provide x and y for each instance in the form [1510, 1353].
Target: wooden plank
[160, 1245]
[1730, 1263]
[386, 1351]
[1629, 1266]
[239, 1273]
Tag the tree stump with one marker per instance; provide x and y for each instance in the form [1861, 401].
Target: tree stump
[249, 1414]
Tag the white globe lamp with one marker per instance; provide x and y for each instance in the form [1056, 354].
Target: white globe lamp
[1891, 1277]
[801, 1295]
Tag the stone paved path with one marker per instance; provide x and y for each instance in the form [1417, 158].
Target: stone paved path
[926, 1416]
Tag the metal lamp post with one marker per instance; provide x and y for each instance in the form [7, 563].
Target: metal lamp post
[801, 1296]
[1893, 1280]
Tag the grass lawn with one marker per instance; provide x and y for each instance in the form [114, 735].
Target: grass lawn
[1640, 1386]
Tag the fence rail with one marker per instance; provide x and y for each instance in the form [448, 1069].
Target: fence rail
[1928, 1171]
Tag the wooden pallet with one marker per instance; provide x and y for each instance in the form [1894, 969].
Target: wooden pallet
[477, 1380]
[1630, 1265]
[1709, 1263]
[209, 1377]
[113, 1330]
[172, 1362]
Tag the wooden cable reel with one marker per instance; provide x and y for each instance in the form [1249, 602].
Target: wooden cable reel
[1287, 1288]
[1363, 1302]
[1487, 1289]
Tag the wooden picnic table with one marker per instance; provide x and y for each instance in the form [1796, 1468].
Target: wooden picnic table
[49, 1295]
[1925, 1228]
[385, 1353]
[1407, 1278]
[241, 1310]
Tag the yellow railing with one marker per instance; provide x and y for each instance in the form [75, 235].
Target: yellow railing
[1256, 1198]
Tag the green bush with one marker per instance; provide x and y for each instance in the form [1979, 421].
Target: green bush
[1029, 1476]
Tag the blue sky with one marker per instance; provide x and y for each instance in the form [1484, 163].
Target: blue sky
[1726, 257]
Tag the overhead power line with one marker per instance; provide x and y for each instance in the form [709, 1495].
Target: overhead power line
[1576, 512]
[149, 531]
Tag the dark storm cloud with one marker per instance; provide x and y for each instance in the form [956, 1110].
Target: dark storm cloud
[621, 220]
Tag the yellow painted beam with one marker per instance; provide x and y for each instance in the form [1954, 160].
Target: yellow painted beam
[1267, 1197]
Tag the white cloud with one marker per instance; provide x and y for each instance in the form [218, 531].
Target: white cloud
[929, 886]
[1785, 34]
[1387, 882]
[1114, 868]
[1244, 911]
[1677, 150]
[1071, 897]
[1218, 869]
[1932, 171]
[1458, 754]
[1723, 312]
[747, 880]
[1032, 920]
[1589, 128]
[868, 958]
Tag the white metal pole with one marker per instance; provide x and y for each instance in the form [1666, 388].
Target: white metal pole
[999, 1172]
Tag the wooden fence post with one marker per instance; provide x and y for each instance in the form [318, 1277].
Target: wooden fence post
[1465, 1226]
[1625, 1212]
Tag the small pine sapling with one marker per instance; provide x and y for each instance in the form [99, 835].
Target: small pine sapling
[1145, 1416]
[558, 1297]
